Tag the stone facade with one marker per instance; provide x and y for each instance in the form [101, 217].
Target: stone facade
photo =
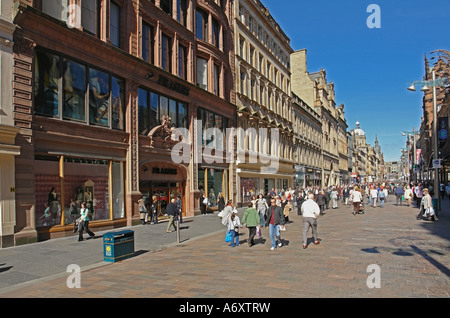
[86, 78]
[263, 101]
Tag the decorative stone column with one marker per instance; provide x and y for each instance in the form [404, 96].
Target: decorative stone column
[133, 193]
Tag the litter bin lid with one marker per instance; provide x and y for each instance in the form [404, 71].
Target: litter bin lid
[112, 235]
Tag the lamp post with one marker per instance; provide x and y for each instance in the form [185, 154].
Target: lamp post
[425, 86]
[413, 133]
[404, 159]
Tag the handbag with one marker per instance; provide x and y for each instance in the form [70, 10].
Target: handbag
[228, 237]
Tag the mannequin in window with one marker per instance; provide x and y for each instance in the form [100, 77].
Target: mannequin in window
[53, 204]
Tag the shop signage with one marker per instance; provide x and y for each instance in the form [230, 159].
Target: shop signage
[437, 163]
[177, 87]
[164, 171]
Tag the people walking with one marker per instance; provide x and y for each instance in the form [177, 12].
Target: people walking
[261, 207]
[427, 206]
[154, 210]
[233, 227]
[274, 219]
[346, 195]
[171, 211]
[408, 195]
[251, 220]
[301, 197]
[399, 193]
[203, 204]
[374, 196]
[227, 211]
[381, 196]
[179, 203]
[143, 213]
[220, 202]
[419, 195]
[83, 223]
[334, 198]
[321, 201]
[356, 198]
[310, 212]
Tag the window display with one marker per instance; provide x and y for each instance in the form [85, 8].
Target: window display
[249, 188]
[83, 180]
[89, 177]
[48, 193]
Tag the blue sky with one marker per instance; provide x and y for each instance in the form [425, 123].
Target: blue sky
[371, 68]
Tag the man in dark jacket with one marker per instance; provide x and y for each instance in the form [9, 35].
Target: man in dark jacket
[399, 192]
[171, 211]
[321, 201]
[274, 218]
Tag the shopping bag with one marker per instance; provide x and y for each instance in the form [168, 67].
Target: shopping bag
[228, 237]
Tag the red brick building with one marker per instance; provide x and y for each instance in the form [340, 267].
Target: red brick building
[93, 85]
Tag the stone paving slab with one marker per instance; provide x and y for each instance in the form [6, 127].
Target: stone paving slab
[413, 257]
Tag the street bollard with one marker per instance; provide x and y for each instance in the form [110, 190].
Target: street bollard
[178, 231]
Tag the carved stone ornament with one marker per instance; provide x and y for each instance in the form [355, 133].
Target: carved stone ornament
[164, 135]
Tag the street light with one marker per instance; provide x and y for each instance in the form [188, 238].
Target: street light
[425, 86]
[413, 134]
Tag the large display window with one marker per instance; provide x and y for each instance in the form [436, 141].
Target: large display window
[77, 91]
[249, 188]
[63, 183]
[212, 182]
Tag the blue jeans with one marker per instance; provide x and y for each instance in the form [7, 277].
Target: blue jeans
[234, 238]
[381, 202]
[262, 220]
[154, 217]
[274, 233]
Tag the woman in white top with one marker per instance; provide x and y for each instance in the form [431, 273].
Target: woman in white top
[408, 195]
[374, 195]
[427, 204]
[356, 198]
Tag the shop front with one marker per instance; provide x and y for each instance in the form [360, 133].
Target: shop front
[161, 182]
[253, 181]
[213, 181]
[63, 182]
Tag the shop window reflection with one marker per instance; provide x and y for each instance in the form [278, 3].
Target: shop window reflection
[46, 81]
[74, 89]
[98, 97]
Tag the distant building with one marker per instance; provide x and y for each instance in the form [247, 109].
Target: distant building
[367, 160]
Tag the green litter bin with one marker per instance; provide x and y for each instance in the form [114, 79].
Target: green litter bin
[118, 246]
[435, 203]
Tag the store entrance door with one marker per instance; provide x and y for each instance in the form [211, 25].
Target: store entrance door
[163, 193]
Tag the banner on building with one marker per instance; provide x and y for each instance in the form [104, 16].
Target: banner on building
[418, 154]
[442, 131]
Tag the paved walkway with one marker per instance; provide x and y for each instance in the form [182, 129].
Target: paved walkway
[412, 256]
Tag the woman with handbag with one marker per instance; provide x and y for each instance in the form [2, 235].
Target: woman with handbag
[233, 228]
[427, 206]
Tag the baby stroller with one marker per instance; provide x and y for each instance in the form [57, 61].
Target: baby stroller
[361, 208]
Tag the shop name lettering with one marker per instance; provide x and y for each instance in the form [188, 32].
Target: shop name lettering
[164, 81]
[213, 146]
[164, 171]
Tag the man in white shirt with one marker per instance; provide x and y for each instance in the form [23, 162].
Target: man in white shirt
[310, 212]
